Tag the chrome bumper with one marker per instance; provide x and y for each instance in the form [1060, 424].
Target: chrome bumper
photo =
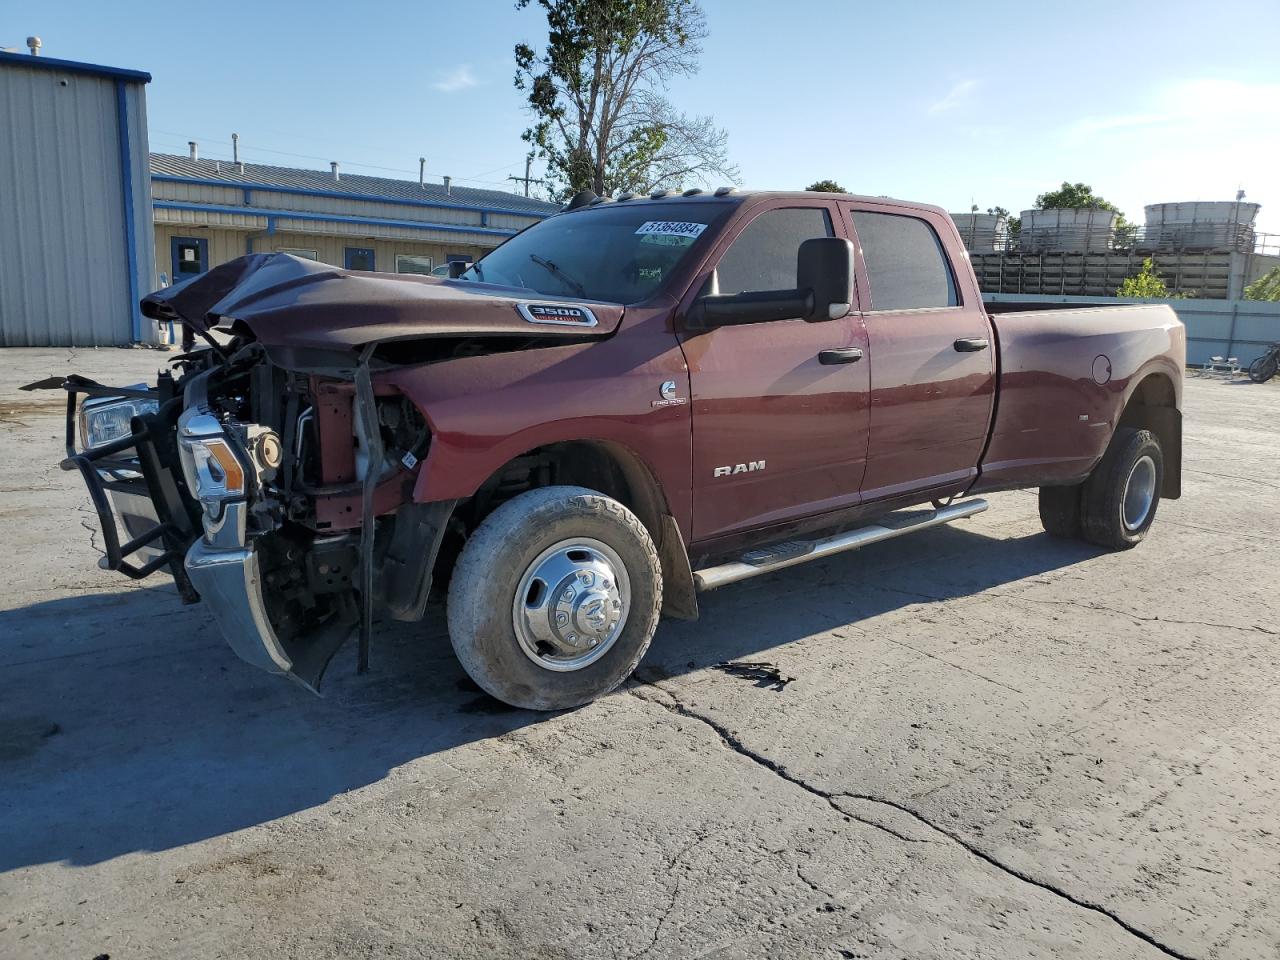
[230, 583]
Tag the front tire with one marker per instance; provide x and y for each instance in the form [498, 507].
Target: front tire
[1264, 368]
[1119, 500]
[554, 598]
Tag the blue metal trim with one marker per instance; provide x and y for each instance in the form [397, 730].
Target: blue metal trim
[338, 195]
[130, 228]
[328, 218]
[269, 232]
[74, 66]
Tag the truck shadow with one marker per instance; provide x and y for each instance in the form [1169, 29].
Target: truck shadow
[127, 724]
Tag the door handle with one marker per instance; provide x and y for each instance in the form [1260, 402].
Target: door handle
[970, 344]
[840, 355]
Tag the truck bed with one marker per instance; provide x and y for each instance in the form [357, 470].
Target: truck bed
[1066, 378]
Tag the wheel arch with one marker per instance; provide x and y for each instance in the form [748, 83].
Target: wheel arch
[1153, 405]
[615, 470]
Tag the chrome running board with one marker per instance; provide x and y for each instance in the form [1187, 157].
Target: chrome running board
[778, 556]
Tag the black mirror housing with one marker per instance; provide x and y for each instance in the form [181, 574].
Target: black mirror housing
[824, 269]
[744, 308]
[457, 268]
[824, 291]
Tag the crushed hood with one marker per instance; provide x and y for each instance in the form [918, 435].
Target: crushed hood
[290, 302]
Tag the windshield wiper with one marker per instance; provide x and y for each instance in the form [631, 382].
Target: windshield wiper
[559, 274]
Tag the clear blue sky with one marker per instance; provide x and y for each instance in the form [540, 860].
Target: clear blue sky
[983, 102]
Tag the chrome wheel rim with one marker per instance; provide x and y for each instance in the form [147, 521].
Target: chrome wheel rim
[571, 604]
[1139, 493]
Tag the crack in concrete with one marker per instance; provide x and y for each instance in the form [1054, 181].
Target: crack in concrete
[731, 740]
[93, 536]
[1229, 476]
[1247, 627]
[675, 892]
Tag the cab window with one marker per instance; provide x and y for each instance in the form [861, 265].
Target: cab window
[906, 266]
[763, 257]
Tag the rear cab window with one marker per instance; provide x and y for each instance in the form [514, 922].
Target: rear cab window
[906, 264]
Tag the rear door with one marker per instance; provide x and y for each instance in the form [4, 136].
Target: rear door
[932, 353]
[778, 432]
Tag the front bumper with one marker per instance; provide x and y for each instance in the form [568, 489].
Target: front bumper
[231, 583]
[230, 580]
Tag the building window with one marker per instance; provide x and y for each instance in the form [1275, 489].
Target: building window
[359, 258]
[411, 263]
[906, 265]
[302, 252]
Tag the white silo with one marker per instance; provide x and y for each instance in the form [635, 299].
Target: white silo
[981, 232]
[1201, 225]
[1067, 230]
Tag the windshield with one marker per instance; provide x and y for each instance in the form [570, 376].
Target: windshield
[620, 254]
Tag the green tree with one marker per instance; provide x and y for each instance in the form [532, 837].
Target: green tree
[1147, 283]
[826, 186]
[1080, 195]
[1266, 287]
[596, 92]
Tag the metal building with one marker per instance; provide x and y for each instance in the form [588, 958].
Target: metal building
[76, 240]
[207, 212]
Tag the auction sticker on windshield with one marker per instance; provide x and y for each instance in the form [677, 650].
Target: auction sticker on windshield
[671, 228]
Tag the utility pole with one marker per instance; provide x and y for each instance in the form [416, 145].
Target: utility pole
[526, 180]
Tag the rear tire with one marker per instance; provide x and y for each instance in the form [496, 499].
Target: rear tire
[1264, 368]
[1060, 511]
[554, 598]
[1119, 500]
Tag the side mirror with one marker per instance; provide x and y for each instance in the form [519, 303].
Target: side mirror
[457, 268]
[824, 291]
[824, 269]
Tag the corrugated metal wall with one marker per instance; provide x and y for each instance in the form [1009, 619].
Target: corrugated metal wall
[64, 271]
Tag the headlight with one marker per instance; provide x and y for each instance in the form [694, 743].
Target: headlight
[102, 421]
[213, 471]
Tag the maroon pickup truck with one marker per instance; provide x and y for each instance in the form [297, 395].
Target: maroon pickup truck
[627, 403]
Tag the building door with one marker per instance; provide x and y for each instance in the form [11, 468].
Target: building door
[190, 257]
[932, 356]
[779, 428]
[359, 258]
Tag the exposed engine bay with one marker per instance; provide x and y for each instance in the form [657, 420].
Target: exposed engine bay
[238, 474]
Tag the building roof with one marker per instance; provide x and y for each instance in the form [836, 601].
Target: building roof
[356, 186]
[72, 66]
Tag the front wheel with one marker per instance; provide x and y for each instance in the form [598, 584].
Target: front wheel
[555, 598]
[1264, 368]
[1119, 500]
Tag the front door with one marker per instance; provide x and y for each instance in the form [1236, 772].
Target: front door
[359, 258]
[190, 257]
[778, 434]
[932, 355]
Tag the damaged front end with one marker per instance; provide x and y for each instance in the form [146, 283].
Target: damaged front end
[281, 498]
[272, 472]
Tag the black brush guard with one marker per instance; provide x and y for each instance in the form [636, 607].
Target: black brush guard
[148, 435]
